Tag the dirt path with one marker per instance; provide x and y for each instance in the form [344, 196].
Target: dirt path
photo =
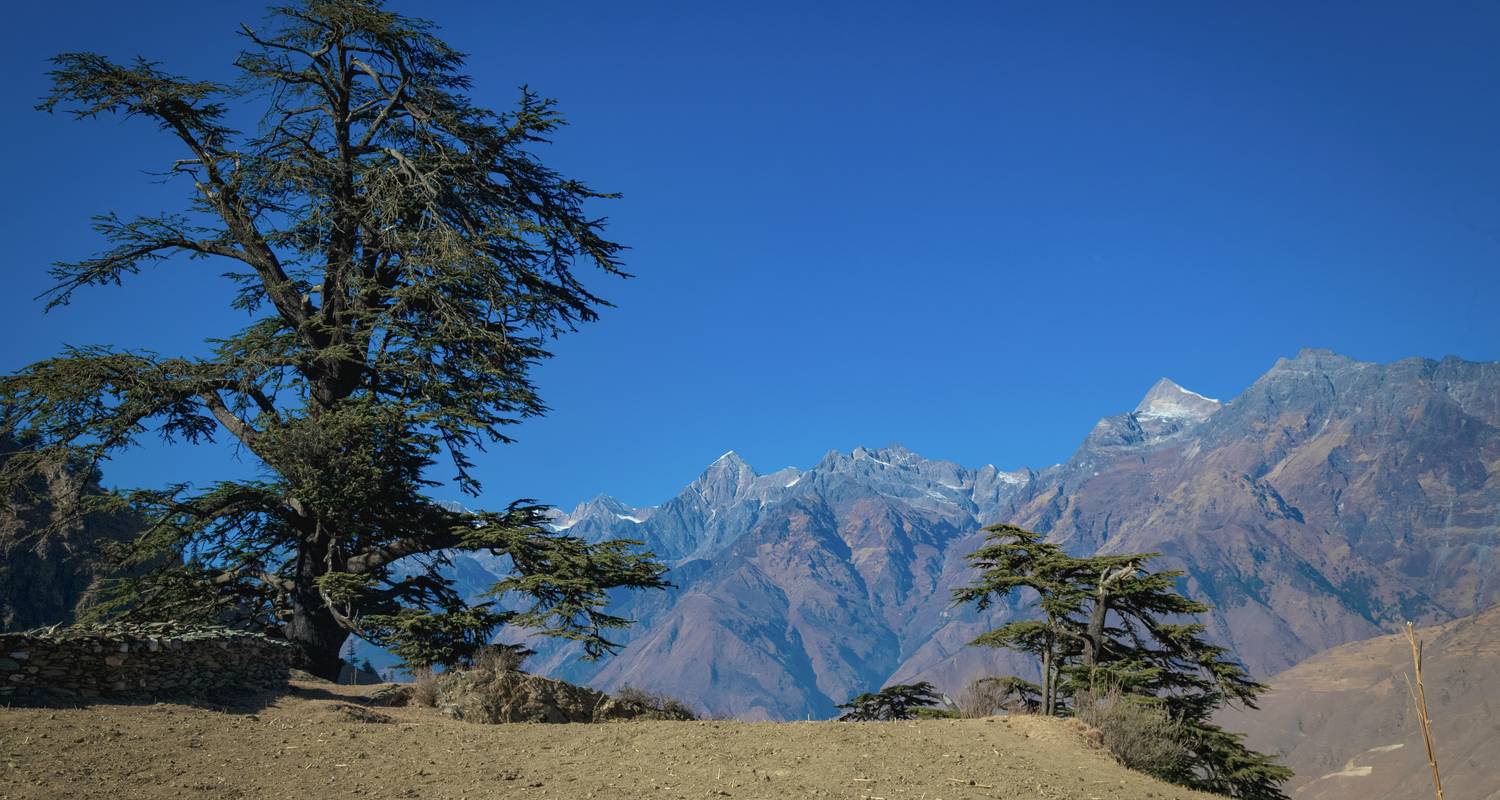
[308, 745]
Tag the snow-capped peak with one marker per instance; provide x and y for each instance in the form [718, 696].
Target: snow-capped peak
[600, 508]
[1167, 400]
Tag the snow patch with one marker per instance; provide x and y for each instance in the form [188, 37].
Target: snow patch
[1169, 411]
[1199, 396]
[1167, 400]
[937, 496]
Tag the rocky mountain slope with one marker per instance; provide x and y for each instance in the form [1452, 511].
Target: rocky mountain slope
[1329, 501]
[1332, 500]
[43, 579]
[1344, 721]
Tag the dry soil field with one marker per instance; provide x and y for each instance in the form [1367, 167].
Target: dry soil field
[309, 743]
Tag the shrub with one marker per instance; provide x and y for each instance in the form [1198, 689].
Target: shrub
[663, 704]
[424, 687]
[890, 703]
[1140, 733]
[501, 658]
[987, 697]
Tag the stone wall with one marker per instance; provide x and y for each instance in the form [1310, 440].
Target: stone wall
[137, 661]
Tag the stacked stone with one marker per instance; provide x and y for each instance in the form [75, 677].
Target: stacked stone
[137, 660]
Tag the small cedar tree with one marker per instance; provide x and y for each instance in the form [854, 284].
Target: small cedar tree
[1107, 624]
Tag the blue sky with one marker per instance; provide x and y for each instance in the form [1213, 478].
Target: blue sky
[969, 228]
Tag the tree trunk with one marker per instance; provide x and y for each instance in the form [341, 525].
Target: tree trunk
[313, 627]
[318, 636]
[1049, 704]
[1093, 644]
[1047, 683]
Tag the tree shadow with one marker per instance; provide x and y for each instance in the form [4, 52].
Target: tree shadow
[225, 701]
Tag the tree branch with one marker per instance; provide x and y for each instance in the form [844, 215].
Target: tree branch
[249, 571]
[376, 557]
[242, 430]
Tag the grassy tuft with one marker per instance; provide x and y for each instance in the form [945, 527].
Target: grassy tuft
[664, 704]
[424, 688]
[1137, 730]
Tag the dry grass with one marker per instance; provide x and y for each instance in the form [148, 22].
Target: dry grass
[981, 698]
[665, 704]
[1419, 698]
[305, 744]
[992, 696]
[424, 688]
[501, 658]
[1139, 732]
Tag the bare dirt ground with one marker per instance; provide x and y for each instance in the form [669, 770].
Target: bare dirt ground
[308, 743]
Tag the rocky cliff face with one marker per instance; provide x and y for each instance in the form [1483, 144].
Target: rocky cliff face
[1330, 501]
[43, 579]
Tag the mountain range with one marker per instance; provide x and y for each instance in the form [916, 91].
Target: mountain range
[1328, 502]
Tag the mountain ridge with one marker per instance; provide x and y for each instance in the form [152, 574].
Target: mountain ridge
[1329, 500]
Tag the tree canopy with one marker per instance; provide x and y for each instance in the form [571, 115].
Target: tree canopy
[891, 703]
[402, 257]
[1107, 623]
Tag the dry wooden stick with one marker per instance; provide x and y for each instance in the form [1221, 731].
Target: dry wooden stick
[1419, 698]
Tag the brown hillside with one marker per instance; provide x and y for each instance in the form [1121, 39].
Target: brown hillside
[1344, 721]
[311, 743]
